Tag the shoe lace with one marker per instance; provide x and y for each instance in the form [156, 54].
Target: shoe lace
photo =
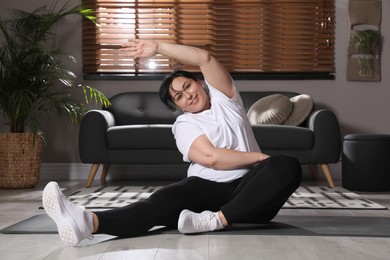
[204, 223]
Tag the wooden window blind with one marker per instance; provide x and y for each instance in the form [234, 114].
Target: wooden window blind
[247, 36]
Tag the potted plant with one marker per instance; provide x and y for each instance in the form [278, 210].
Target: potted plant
[34, 81]
[369, 45]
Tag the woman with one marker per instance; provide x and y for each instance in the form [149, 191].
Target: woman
[229, 180]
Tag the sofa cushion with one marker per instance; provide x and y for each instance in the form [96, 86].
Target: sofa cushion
[302, 106]
[285, 137]
[272, 109]
[141, 137]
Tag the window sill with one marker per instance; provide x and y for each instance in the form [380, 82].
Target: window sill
[236, 76]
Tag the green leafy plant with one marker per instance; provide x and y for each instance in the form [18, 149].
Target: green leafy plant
[33, 79]
[369, 45]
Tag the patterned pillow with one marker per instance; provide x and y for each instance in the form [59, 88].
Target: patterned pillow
[272, 109]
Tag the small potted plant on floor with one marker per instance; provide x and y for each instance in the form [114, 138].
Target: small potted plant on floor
[34, 81]
[369, 45]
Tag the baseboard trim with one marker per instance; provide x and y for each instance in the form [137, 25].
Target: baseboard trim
[79, 171]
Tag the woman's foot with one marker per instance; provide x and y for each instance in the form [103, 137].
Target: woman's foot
[191, 222]
[73, 222]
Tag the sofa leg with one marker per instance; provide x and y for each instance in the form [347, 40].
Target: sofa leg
[92, 173]
[313, 170]
[328, 174]
[104, 174]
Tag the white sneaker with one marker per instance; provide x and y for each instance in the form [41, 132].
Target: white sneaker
[73, 222]
[191, 222]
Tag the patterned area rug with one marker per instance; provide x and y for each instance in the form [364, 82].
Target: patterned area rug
[318, 197]
[312, 197]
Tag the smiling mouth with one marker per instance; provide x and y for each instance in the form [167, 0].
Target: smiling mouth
[194, 100]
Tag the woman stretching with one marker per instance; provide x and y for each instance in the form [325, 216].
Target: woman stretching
[229, 179]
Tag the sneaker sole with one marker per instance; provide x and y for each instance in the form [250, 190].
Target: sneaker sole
[52, 204]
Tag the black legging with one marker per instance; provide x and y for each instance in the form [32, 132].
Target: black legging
[255, 198]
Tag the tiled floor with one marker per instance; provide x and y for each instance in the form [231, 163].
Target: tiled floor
[16, 205]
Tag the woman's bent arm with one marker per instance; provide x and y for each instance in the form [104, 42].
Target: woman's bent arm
[204, 153]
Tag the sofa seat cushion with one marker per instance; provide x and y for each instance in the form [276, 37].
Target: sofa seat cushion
[158, 136]
[283, 137]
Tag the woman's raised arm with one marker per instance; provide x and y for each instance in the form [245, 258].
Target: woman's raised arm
[213, 71]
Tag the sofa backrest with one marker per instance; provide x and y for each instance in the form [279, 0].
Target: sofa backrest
[141, 108]
[147, 108]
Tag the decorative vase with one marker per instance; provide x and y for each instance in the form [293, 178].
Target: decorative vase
[20, 160]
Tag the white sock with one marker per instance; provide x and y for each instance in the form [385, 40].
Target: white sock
[219, 222]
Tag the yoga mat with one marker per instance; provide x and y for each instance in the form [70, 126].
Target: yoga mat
[282, 225]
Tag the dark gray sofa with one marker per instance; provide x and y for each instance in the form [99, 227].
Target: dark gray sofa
[136, 129]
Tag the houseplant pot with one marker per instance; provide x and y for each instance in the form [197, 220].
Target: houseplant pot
[20, 160]
[33, 81]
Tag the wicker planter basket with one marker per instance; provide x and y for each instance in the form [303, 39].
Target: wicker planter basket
[20, 160]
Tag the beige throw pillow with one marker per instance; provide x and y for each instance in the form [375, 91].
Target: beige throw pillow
[272, 109]
[302, 106]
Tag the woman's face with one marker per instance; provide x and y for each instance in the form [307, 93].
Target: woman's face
[189, 95]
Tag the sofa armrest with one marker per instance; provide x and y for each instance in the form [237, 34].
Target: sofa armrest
[327, 136]
[93, 146]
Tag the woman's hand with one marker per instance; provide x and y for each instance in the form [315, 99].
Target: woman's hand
[141, 48]
[263, 156]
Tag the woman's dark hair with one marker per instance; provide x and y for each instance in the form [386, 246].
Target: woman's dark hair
[165, 97]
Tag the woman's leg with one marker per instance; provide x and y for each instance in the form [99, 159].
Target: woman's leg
[164, 206]
[257, 197]
[161, 208]
[264, 190]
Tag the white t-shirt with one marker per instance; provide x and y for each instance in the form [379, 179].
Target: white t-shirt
[226, 126]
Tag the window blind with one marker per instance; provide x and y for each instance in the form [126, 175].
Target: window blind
[247, 36]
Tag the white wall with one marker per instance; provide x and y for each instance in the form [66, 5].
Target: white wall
[361, 107]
